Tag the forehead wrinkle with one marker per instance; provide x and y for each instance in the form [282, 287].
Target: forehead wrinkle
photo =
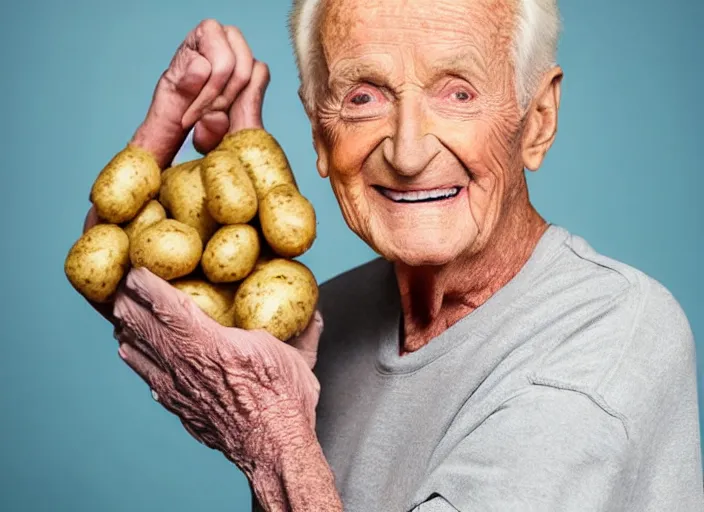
[374, 66]
[468, 61]
[483, 29]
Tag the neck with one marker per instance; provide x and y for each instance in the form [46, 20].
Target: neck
[435, 297]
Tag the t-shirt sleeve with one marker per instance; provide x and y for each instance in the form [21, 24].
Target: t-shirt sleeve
[545, 449]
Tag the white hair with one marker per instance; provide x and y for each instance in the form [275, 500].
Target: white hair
[534, 49]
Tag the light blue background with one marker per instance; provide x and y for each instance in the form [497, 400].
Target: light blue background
[79, 430]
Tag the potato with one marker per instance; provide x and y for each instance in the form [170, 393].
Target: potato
[280, 297]
[183, 195]
[266, 254]
[97, 262]
[287, 221]
[166, 178]
[169, 249]
[152, 213]
[230, 195]
[263, 158]
[231, 253]
[215, 300]
[125, 185]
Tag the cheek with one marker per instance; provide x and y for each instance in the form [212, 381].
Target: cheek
[351, 146]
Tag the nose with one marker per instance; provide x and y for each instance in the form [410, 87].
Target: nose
[410, 150]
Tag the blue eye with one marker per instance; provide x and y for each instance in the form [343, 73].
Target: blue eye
[462, 96]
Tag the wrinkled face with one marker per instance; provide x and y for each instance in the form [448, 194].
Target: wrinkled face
[419, 130]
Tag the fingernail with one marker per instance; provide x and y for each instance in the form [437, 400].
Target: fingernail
[122, 353]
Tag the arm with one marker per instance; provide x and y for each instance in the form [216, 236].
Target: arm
[243, 393]
[303, 477]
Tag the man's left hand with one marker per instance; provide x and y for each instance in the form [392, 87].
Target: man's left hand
[244, 393]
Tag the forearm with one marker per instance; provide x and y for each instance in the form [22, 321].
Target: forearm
[300, 481]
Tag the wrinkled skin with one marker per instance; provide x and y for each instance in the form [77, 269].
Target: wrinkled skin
[412, 105]
[422, 97]
[226, 385]
[244, 393]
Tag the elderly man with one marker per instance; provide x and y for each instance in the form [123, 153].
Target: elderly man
[488, 360]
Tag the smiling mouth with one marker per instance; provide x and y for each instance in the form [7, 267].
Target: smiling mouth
[419, 196]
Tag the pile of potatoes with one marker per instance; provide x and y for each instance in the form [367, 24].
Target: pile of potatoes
[223, 229]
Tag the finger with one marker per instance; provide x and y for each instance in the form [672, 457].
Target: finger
[212, 43]
[142, 365]
[91, 220]
[246, 111]
[171, 307]
[209, 131]
[139, 319]
[124, 335]
[158, 380]
[242, 73]
[162, 132]
[307, 341]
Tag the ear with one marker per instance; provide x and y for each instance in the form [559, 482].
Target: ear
[541, 120]
[318, 140]
[321, 149]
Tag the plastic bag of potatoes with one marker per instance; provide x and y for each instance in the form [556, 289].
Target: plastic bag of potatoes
[223, 229]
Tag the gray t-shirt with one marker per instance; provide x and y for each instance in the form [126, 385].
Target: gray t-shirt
[571, 389]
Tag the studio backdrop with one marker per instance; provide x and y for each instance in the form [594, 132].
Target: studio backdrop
[79, 430]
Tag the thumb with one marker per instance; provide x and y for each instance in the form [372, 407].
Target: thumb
[307, 342]
[246, 111]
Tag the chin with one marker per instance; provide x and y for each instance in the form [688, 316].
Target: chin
[419, 250]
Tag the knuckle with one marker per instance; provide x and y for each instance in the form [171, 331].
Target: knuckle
[233, 30]
[209, 24]
[241, 76]
[263, 71]
[223, 66]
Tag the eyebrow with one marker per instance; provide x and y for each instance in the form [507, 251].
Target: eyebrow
[349, 71]
[467, 62]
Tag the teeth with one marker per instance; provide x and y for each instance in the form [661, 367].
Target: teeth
[423, 195]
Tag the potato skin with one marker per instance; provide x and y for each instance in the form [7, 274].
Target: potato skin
[125, 185]
[170, 249]
[183, 195]
[280, 297]
[150, 214]
[97, 262]
[214, 300]
[231, 253]
[287, 221]
[230, 195]
[263, 158]
[166, 178]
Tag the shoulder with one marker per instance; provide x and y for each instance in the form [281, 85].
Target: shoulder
[647, 310]
[624, 341]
